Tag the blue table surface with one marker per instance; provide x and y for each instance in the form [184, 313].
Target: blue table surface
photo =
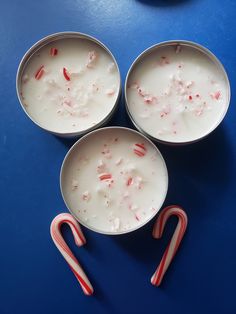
[34, 278]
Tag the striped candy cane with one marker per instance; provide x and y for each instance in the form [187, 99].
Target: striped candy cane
[174, 242]
[80, 240]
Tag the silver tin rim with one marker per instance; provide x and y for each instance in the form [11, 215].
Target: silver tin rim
[46, 40]
[191, 44]
[84, 139]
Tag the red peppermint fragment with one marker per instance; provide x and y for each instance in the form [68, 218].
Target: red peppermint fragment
[105, 176]
[53, 52]
[65, 73]
[190, 97]
[129, 181]
[139, 153]
[217, 95]
[140, 149]
[39, 73]
[141, 146]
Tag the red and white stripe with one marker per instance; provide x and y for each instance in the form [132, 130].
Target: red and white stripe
[53, 52]
[105, 176]
[60, 243]
[175, 241]
[39, 73]
[139, 149]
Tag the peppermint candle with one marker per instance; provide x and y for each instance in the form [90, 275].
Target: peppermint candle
[114, 180]
[177, 92]
[69, 84]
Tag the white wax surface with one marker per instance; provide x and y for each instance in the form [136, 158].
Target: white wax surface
[67, 106]
[135, 187]
[177, 94]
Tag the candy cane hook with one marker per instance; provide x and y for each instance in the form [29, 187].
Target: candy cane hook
[174, 242]
[60, 243]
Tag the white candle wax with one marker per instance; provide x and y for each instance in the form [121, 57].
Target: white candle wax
[114, 180]
[177, 93]
[70, 85]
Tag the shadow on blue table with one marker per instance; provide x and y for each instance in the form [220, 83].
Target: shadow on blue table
[194, 170]
[162, 3]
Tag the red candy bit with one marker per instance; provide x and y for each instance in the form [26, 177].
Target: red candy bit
[139, 153]
[129, 182]
[140, 149]
[39, 73]
[136, 217]
[190, 97]
[217, 95]
[65, 73]
[53, 52]
[105, 176]
[141, 146]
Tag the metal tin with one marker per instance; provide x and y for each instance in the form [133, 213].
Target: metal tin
[85, 138]
[194, 46]
[45, 41]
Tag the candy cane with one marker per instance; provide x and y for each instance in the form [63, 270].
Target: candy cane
[80, 240]
[174, 242]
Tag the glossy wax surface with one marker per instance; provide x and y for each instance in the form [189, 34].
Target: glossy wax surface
[34, 276]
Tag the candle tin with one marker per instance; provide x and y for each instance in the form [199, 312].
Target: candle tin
[175, 43]
[50, 39]
[68, 160]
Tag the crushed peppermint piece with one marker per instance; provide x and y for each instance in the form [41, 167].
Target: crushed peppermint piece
[177, 49]
[216, 95]
[105, 176]
[111, 67]
[129, 181]
[101, 168]
[66, 75]
[39, 73]
[139, 149]
[53, 52]
[74, 184]
[92, 57]
[119, 161]
[86, 196]
[25, 78]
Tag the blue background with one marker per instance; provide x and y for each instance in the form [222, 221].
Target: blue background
[34, 277]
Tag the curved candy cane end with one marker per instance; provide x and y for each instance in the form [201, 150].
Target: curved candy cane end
[80, 243]
[152, 280]
[155, 282]
[90, 292]
[65, 250]
[166, 213]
